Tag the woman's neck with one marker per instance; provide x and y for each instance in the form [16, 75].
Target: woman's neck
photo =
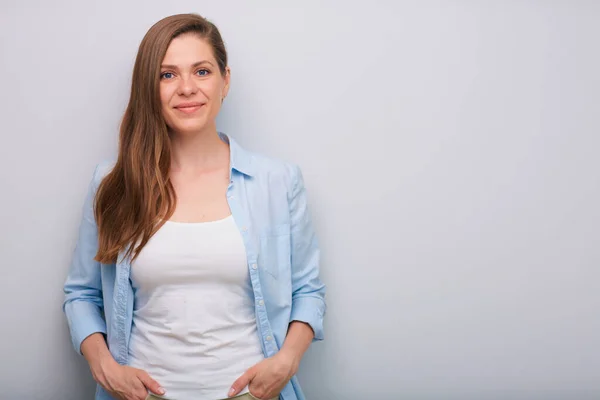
[194, 153]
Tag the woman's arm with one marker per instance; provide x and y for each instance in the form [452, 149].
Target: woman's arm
[308, 292]
[268, 378]
[298, 339]
[83, 306]
[83, 302]
[96, 353]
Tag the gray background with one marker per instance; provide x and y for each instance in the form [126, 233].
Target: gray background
[450, 150]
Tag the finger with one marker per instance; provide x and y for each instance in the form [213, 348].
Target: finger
[241, 382]
[139, 390]
[135, 390]
[259, 388]
[258, 394]
[150, 383]
[253, 396]
[141, 394]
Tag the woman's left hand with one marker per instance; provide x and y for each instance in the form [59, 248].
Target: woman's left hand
[267, 378]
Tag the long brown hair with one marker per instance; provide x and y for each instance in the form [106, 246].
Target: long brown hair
[137, 194]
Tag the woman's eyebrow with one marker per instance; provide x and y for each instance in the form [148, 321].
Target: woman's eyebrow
[194, 65]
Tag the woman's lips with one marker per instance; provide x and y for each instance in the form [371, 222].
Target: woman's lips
[189, 109]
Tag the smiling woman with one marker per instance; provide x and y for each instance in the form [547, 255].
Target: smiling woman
[192, 87]
[196, 272]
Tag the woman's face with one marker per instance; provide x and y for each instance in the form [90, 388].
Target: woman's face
[191, 85]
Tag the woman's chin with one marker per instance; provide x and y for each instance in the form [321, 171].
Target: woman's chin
[189, 128]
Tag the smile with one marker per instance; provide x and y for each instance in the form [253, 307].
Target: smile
[189, 108]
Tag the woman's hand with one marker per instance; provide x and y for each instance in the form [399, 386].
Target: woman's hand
[267, 378]
[122, 382]
[125, 383]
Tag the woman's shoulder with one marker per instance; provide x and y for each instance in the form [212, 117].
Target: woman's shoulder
[275, 169]
[103, 168]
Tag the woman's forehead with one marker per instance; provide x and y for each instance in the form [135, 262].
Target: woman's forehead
[188, 49]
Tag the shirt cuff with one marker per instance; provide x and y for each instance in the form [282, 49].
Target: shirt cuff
[84, 319]
[311, 310]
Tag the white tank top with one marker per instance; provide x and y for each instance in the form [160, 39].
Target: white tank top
[194, 328]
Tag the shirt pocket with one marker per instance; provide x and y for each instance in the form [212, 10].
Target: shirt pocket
[274, 254]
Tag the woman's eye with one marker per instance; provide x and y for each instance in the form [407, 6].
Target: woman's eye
[203, 72]
[166, 75]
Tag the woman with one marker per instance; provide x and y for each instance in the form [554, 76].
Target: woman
[196, 271]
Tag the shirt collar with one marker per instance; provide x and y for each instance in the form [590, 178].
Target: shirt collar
[240, 159]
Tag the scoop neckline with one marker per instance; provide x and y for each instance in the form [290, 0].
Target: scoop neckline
[199, 222]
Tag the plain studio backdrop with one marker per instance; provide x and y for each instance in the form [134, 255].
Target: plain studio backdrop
[451, 155]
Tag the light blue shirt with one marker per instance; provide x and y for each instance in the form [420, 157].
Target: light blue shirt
[268, 202]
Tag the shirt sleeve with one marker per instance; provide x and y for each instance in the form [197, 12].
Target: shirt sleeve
[308, 292]
[83, 304]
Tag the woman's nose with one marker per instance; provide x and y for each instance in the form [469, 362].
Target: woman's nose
[187, 86]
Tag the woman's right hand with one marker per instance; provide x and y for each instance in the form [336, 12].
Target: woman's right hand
[122, 382]
[126, 383]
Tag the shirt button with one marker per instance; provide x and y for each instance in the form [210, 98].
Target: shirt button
[244, 229]
[269, 338]
[254, 266]
[261, 303]
[231, 197]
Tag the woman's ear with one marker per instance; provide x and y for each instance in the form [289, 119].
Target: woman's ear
[227, 79]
